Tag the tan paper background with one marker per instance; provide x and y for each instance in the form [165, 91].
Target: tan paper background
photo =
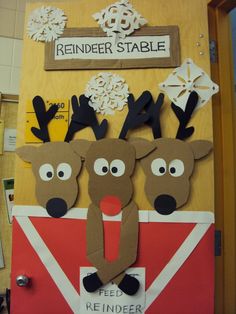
[63, 84]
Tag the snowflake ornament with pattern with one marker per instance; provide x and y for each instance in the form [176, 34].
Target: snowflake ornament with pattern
[107, 92]
[185, 79]
[46, 24]
[119, 20]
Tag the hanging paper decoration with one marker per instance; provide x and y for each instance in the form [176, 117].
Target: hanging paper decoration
[46, 24]
[119, 20]
[185, 79]
[107, 92]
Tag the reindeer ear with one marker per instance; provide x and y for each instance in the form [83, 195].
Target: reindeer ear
[142, 147]
[81, 147]
[201, 148]
[27, 152]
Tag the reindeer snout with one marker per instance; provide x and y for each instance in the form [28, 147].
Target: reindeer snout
[56, 207]
[165, 204]
[110, 205]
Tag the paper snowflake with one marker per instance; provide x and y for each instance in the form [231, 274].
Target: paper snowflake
[107, 92]
[46, 23]
[119, 20]
[185, 79]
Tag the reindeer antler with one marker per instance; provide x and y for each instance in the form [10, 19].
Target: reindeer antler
[135, 117]
[84, 116]
[153, 110]
[184, 116]
[43, 117]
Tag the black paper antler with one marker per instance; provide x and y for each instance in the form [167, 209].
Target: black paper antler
[43, 117]
[84, 116]
[135, 117]
[153, 110]
[184, 116]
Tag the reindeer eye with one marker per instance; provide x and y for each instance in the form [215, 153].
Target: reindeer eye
[158, 167]
[101, 166]
[46, 172]
[176, 168]
[64, 171]
[117, 168]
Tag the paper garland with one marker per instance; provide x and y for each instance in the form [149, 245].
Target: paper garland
[107, 92]
[46, 23]
[119, 20]
[185, 79]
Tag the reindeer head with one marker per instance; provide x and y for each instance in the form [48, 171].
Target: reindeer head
[169, 166]
[110, 162]
[56, 165]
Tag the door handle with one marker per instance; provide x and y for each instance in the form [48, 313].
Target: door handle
[22, 281]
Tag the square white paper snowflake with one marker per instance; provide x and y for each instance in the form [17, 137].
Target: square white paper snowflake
[185, 79]
[119, 20]
[46, 23]
[107, 92]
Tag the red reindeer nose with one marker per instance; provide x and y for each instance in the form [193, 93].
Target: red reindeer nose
[110, 205]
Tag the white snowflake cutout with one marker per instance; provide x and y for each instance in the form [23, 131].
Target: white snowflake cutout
[185, 79]
[46, 23]
[119, 20]
[107, 92]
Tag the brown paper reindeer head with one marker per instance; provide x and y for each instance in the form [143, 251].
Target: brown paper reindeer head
[56, 165]
[110, 164]
[169, 167]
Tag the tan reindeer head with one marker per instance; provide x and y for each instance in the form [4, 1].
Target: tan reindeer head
[56, 165]
[111, 162]
[169, 167]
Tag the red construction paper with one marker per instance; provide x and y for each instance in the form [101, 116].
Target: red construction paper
[191, 291]
[110, 205]
[111, 240]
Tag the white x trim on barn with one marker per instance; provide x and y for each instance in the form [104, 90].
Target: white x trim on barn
[203, 222]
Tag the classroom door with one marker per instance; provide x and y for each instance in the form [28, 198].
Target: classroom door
[224, 151]
[49, 253]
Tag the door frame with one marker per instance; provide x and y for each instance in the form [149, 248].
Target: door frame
[224, 154]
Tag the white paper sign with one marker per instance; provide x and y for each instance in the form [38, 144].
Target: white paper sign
[96, 48]
[1, 256]
[8, 188]
[9, 140]
[89, 48]
[110, 299]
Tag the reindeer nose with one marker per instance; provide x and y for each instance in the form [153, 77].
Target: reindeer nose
[110, 205]
[56, 207]
[165, 204]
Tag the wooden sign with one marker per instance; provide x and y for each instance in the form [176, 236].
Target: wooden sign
[90, 48]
